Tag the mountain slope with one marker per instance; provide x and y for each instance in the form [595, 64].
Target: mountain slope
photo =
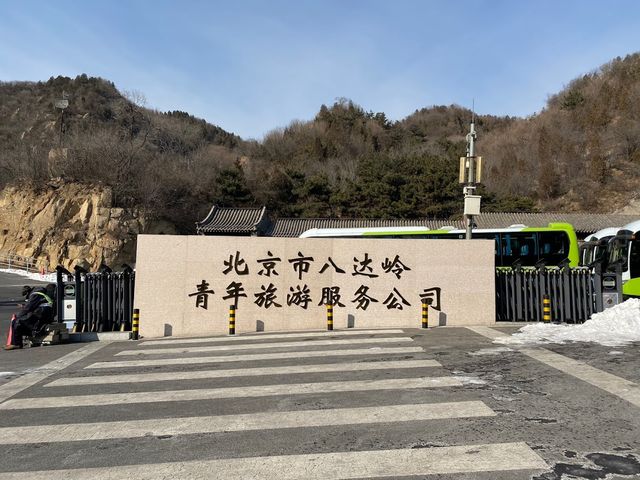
[582, 152]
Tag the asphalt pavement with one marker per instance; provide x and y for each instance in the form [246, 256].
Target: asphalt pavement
[16, 363]
[10, 297]
[444, 403]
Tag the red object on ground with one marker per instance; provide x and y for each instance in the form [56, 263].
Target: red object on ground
[10, 334]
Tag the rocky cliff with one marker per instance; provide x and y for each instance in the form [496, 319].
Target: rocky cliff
[70, 224]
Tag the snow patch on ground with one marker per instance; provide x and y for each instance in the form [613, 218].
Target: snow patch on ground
[48, 277]
[471, 380]
[492, 351]
[619, 325]
[467, 379]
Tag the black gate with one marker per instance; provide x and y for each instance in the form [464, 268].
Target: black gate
[103, 299]
[575, 294]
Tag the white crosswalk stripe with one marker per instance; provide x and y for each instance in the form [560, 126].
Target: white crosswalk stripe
[376, 351]
[229, 392]
[327, 466]
[270, 336]
[243, 372]
[359, 369]
[262, 346]
[242, 422]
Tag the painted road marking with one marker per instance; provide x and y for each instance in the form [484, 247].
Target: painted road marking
[269, 336]
[488, 332]
[262, 346]
[377, 351]
[621, 388]
[322, 466]
[243, 422]
[228, 392]
[19, 384]
[243, 372]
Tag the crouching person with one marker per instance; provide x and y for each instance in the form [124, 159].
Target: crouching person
[37, 312]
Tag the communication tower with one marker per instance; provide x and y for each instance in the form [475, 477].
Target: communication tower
[471, 176]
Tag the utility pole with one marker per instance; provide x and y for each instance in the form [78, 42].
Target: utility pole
[470, 176]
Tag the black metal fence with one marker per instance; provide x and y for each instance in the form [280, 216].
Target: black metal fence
[575, 294]
[100, 301]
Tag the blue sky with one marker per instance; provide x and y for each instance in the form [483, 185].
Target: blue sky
[252, 66]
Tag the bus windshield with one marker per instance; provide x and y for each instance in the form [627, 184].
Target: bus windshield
[634, 259]
[619, 254]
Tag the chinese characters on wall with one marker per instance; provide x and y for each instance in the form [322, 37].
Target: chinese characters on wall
[299, 294]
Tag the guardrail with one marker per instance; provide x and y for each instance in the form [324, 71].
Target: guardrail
[17, 262]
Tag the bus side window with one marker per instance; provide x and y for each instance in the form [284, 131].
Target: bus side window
[554, 247]
[528, 248]
[506, 249]
[496, 247]
[521, 247]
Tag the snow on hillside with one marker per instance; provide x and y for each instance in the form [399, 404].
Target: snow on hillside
[49, 277]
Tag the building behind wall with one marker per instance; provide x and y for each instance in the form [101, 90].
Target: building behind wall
[256, 221]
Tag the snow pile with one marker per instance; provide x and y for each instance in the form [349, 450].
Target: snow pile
[49, 277]
[617, 325]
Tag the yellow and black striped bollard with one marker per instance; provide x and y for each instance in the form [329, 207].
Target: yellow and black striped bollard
[232, 319]
[546, 309]
[135, 324]
[425, 315]
[329, 316]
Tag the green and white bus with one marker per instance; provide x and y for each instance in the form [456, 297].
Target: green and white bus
[625, 251]
[597, 247]
[552, 245]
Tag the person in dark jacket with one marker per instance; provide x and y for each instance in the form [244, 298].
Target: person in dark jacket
[36, 312]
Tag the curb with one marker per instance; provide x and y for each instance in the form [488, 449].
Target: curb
[98, 337]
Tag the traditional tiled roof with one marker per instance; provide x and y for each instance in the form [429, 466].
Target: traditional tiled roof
[294, 227]
[256, 221]
[234, 221]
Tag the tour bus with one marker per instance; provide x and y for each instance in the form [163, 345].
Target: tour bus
[552, 245]
[625, 251]
[596, 247]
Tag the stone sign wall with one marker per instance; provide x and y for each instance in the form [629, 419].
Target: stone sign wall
[185, 284]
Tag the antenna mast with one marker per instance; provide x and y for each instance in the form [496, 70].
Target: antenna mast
[470, 176]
